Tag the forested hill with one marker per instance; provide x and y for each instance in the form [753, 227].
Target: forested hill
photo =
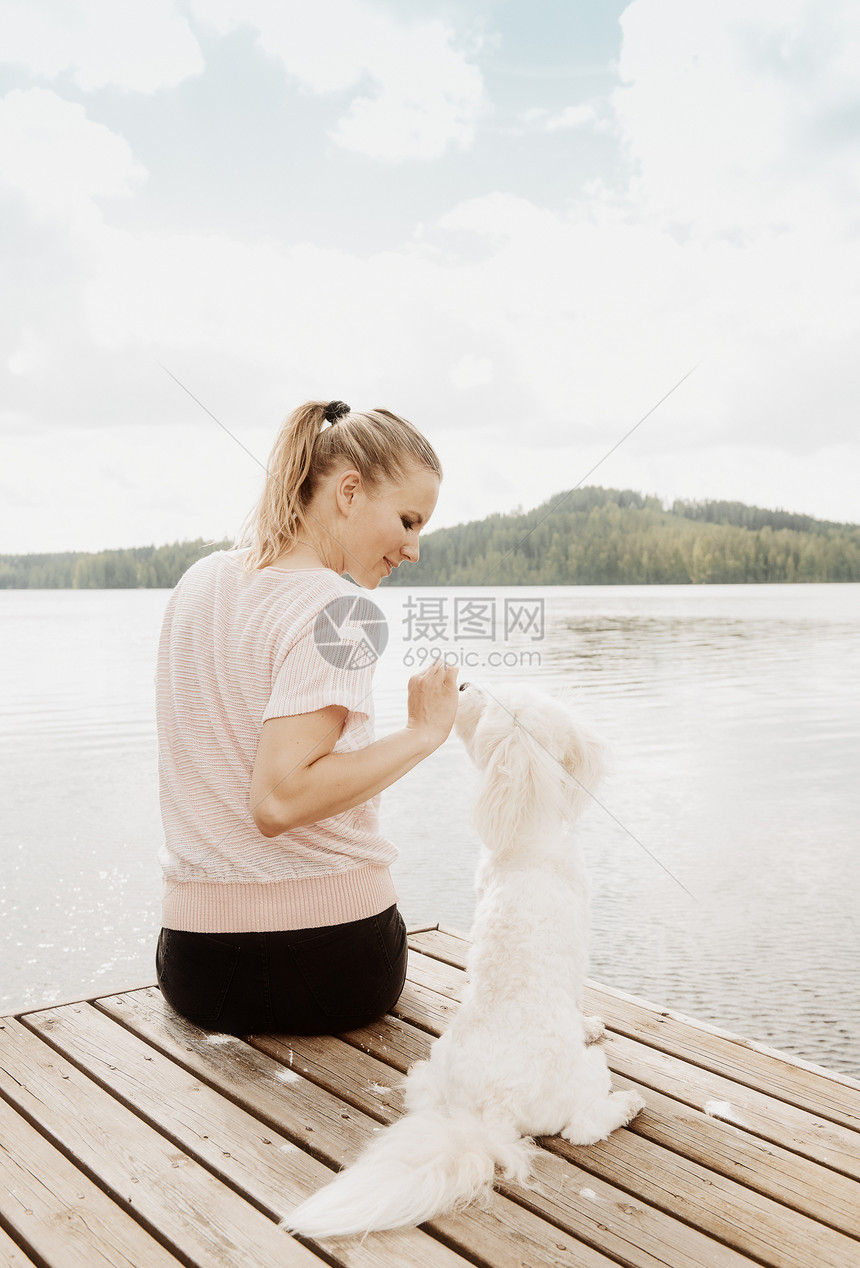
[590, 536]
[595, 536]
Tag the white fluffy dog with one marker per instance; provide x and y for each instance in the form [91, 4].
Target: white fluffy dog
[514, 1062]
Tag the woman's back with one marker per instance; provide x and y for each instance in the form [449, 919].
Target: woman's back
[235, 650]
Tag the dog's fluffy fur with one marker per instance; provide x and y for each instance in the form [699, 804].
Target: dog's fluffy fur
[514, 1062]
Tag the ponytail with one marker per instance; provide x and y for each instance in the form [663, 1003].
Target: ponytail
[377, 444]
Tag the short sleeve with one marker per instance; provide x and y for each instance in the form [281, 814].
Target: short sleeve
[316, 672]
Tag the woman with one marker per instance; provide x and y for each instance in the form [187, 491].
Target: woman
[279, 912]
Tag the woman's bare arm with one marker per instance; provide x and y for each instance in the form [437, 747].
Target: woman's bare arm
[298, 780]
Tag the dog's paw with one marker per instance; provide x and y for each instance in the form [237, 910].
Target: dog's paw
[594, 1029]
[629, 1104]
[598, 1120]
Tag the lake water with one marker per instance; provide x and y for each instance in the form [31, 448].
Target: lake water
[723, 851]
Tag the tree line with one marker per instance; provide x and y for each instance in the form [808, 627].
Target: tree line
[153, 567]
[589, 536]
[595, 536]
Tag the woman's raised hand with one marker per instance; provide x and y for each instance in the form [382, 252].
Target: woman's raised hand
[433, 701]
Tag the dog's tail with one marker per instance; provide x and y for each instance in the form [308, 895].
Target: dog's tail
[427, 1163]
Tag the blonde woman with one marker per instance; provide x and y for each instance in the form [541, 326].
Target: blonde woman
[279, 912]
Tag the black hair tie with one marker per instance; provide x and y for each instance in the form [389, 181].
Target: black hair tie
[335, 410]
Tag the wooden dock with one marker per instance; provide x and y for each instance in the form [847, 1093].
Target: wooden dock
[130, 1138]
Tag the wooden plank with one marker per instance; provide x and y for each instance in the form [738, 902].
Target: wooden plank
[505, 1235]
[763, 1228]
[806, 1087]
[276, 1094]
[425, 1008]
[777, 1173]
[79, 998]
[222, 1105]
[367, 1083]
[256, 1159]
[11, 1254]
[495, 1237]
[823, 1092]
[450, 932]
[796, 1130]
[441, 944]
[786, 1058]
[627, 1163]
[443, 978]
[795, 1181]
[793, 1130]
[451, 945]
[197, 1216]
[600, 1214]
[393, 1040]
[818, 1139]
[58, 1213]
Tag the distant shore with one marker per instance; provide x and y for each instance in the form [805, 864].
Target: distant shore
[589, 536]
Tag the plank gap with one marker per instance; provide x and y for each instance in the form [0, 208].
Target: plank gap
[739, 1076]
[176, 1141]
[86, 1171]
[789, 1145]
[787, 1058]
[725, 1067]
[617, 1183]
[265, 1120]
[20, 1013]
[28, 1254]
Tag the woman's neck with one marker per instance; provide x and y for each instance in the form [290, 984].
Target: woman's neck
[300, 556]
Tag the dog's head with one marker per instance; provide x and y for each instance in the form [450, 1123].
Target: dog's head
[539, 764]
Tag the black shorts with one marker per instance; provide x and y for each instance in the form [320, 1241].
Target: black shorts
[300, 981]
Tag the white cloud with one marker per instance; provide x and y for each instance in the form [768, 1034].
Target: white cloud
[101, 488]
[60, 160]
[140, 46]
[582, 326]
[593, 114]
[735, 114]
[571, 117]
[597, 320]
[417, 92]
[505, 314]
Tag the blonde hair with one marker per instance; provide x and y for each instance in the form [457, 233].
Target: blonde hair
[379, 445]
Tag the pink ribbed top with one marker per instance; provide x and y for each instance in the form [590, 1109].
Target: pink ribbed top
[236, 649]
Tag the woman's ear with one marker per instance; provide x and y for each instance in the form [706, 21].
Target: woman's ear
[347, 486]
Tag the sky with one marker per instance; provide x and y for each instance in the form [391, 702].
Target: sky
[519, 225]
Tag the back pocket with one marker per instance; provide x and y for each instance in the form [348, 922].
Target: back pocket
[194, 972]
[346, 968]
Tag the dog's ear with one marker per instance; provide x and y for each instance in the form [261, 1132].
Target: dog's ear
[523, 787]
[586, 760]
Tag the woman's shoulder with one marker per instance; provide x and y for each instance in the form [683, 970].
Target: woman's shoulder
[235, 561]
[300, 594]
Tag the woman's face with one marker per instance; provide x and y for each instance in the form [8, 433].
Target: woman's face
[382, 525]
